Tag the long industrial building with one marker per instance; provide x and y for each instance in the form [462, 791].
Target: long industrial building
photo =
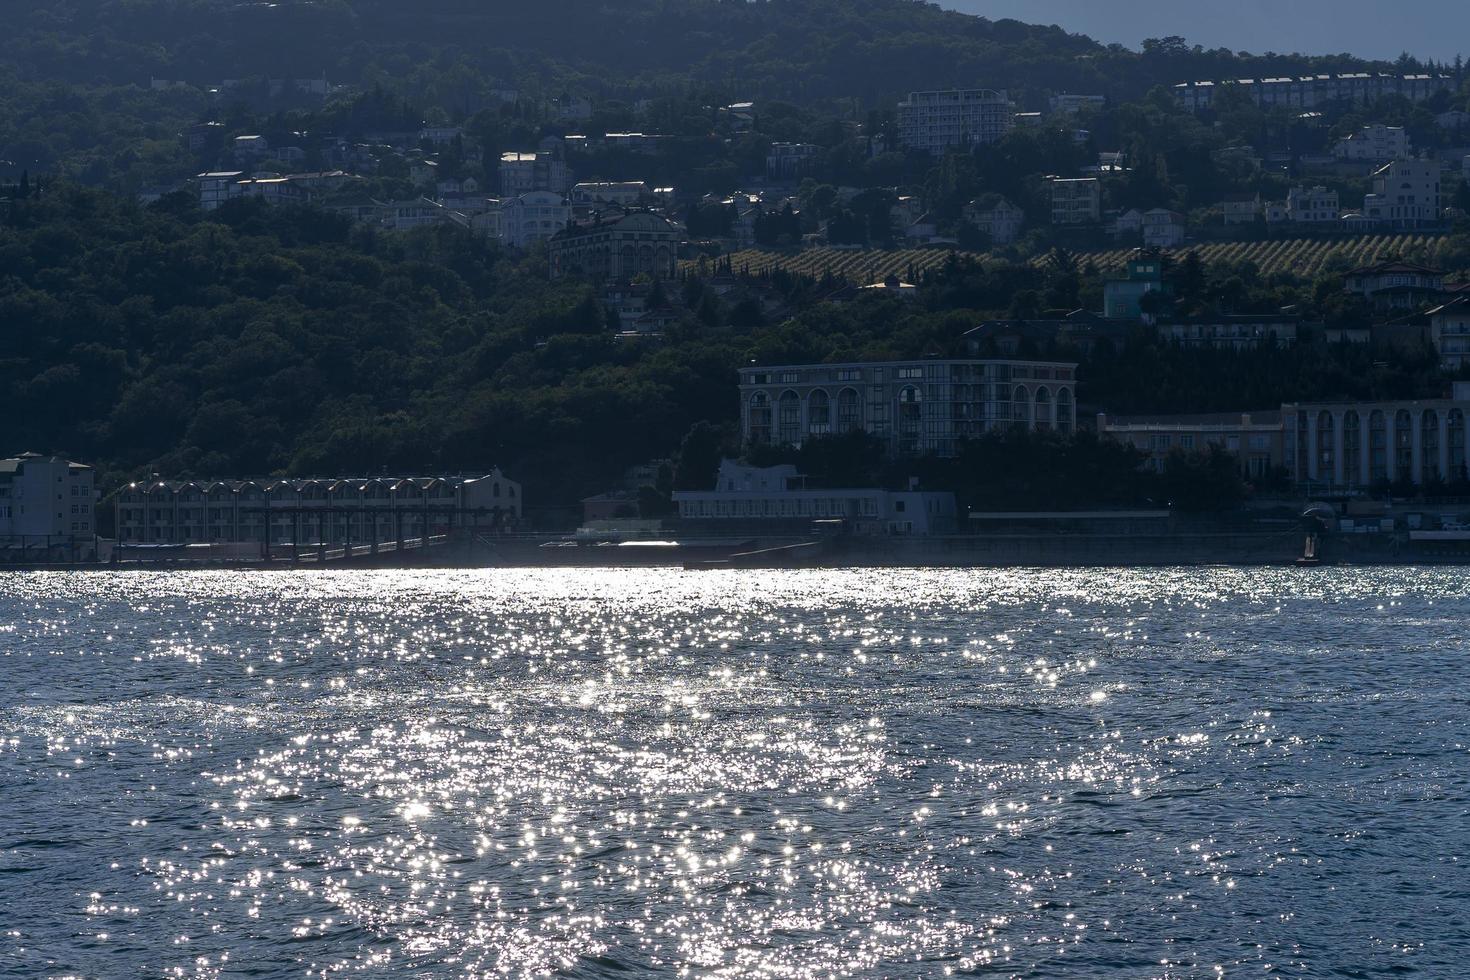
[316, 512]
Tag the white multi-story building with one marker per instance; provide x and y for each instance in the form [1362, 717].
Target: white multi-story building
[533, 217]
[1396, 285]
[1355, 444]
[1254, 438]
[517, 174]
[522, 173]
[407, 215]
[1309, 91]
[1449, 331]
[1076, 201]
[217, 187]
[638, 244]
[1306, 205]
[776, 494]
[626, 193]
[921, 406]
[1070, 105]
[310, 513]
[789, 161]
[936, 121]
[1374, 144]
[1406, 193]
[46, 500]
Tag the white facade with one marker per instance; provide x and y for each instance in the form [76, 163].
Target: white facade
[522, 173]
[997, 217]
[915, 407]
[1130, 222]
[638, 244]
[1076, 201]
[1406, 193]
[46, 497]
[1306, 205]
[1163, 228]
[1309, 91]
[1353, 444]
[1070, 105]
[1374, 144]
[788, 161]
[936, 121]
[1254, 438]
[217, 187]
[1449, 331]
[626, 193]
[778, 493]
[533, 217]
[1241, 209]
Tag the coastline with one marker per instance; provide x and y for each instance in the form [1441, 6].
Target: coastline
[1244, 549]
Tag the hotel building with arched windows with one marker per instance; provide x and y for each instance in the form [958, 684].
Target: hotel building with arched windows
[916, 407]
[1358, 444]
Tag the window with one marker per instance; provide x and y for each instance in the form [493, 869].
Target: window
[909, 373]
[1186, 442]
[850, 374]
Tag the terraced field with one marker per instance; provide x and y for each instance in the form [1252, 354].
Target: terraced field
[853, 265]
[1306, 257]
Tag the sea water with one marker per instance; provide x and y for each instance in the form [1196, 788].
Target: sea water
[882, 773]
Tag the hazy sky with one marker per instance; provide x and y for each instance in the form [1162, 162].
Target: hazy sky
[1371, 28]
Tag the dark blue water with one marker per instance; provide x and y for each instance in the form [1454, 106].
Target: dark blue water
[1196, 773]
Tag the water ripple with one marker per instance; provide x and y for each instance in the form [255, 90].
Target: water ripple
[1163, 773]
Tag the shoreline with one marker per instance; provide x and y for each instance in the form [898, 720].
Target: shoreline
[1191, 551]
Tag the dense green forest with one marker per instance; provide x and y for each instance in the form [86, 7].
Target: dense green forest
[772, 49]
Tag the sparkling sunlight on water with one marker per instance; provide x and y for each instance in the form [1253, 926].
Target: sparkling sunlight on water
[1166, 773]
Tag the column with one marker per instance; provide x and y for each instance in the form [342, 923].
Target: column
[1416, 437]
[1314, 455]
[1339, 464]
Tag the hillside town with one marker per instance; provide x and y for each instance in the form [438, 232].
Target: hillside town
[1078, 222]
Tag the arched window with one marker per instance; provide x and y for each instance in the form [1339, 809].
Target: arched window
[1064, 410]
[1403, 445]
[910, 414]
[849, 411]
[1021, 400]
[788, 419]
[760, 418]
[1429, 442]
[1378, 455]
[1352, 447]
[1325, 448]
[1043, 408]
[819, 413]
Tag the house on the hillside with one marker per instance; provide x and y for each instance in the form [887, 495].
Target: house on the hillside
[997, 217]
[1396, 285]
[1241, 209]
[1163, 228]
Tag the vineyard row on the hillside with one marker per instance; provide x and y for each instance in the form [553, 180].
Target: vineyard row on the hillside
[1304, 257]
